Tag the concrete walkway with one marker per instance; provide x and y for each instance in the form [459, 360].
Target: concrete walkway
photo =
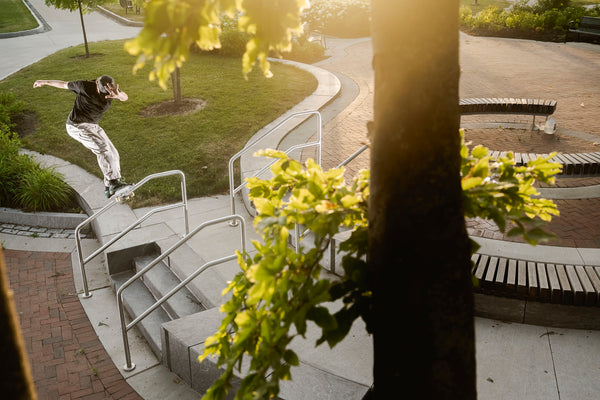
[514, 361]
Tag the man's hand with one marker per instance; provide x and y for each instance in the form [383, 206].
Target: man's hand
[114, 92]
[38, 84]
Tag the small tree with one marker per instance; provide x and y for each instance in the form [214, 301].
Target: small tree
[83, 6]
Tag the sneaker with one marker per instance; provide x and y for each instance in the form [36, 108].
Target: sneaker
[115, 185]
[107, 192]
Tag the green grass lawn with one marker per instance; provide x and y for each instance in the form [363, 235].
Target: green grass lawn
[15, 17]
[199, 144]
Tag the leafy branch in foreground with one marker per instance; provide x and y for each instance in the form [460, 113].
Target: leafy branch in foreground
[498, 190]
[281, 289]
[171, 27]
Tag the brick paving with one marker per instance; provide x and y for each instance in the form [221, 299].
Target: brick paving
[67, 359]
[492, 67]
[41, 232]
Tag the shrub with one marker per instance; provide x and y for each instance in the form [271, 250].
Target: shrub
[305, 51]
[24, 184]
[550, 18]
[233, 44]
[42, 189]
[9, 106]
[341, 18]
[545, 5]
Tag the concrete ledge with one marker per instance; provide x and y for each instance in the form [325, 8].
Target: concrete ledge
[118, 18]
[45, 219]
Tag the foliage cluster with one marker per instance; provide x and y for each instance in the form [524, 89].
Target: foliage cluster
[170, 29]
[548, 17]
[280, 289]
[27, 185]
[233, 44]
[340, 18]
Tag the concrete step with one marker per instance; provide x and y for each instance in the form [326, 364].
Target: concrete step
[137, 299]
[317, 377]
[160, 280]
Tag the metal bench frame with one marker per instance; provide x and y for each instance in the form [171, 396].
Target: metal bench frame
[589, 26]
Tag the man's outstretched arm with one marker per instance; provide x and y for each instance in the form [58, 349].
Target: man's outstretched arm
[54, 83]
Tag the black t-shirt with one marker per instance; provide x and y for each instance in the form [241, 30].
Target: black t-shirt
[89, 104]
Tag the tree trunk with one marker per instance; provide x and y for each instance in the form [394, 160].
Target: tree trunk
[176, 81]
[15, 374]
[87, 51]
[419, 249]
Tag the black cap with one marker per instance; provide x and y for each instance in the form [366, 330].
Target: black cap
[103, 81]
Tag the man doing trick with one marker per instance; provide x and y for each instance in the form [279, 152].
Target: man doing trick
[92, 101]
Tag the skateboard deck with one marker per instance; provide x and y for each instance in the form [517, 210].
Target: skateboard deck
[125, 193]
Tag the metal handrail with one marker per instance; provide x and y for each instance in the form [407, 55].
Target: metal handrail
[233, 190]
[86, 293]
[353, 156]
[129, 366]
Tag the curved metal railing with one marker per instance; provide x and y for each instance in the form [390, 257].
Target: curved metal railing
[129, 366]
[114, 201]
[233, 190]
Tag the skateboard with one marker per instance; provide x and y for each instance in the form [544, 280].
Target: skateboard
[124, 193]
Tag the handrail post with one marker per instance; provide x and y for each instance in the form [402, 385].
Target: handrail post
[129, 366]
[185, 204]
[86, 292]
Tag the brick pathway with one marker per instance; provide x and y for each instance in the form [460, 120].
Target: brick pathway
[493, 67]
[67, 359]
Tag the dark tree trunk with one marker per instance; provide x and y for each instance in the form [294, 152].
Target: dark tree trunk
[87, 51]
[419, 249]
[175, 79]
[15, 374]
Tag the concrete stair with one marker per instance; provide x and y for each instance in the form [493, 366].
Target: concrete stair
[146, 290]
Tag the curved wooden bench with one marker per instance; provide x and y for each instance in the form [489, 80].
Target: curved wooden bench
[534, 107]
[545, 282]
[573, 163]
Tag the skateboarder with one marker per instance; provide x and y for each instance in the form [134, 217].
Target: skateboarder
[92, 101]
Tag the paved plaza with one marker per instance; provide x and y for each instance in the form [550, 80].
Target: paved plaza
[514, 361]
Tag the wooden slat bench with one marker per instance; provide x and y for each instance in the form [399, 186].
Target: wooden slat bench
[545, 282]
[534, 107]
[572, 163]
[588, 29]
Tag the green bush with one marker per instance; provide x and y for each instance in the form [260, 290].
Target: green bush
[341, 18]
[305, 51]
[9, 106]
[42, 189]
[233, 44]
[550, 18]
[26, 185]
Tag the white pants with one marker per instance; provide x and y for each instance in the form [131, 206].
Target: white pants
[93, 137]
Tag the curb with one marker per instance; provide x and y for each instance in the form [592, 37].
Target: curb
[51, 220]
[118, 18]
